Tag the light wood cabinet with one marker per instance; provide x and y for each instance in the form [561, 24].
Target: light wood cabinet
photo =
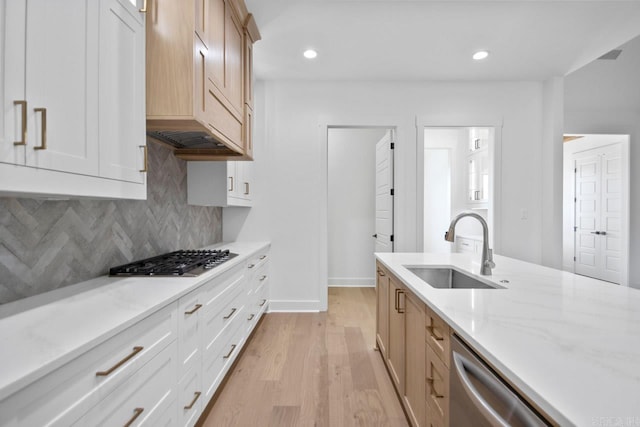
[396, 350]
[196, 85]
[382, 310]
[414, 391]
[73, 98]
[415, 344]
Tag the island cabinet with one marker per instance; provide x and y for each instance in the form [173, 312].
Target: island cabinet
[401, 336]
[199, 80]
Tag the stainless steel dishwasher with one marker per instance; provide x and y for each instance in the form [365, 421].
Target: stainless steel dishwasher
[480, 398]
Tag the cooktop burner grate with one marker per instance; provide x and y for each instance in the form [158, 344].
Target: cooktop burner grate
[187, 263]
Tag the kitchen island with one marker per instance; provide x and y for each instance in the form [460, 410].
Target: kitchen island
[569, 343]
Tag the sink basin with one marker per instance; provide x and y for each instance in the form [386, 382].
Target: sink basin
[448, 278]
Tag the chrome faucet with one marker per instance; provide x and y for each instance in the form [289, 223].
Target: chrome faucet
[487, 254]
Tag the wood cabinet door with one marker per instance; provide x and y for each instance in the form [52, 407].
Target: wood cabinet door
[382, 315]
[62, 85]
[395, 351]
[233, 52]
[122, 91]
[216, 42]
[415, 356]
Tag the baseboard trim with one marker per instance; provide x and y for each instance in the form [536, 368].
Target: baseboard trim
[294, 306]
[352, 282]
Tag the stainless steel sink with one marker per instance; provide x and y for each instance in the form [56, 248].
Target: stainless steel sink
[448, 278]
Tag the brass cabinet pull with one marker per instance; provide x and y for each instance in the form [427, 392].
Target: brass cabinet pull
[230, 183]
[196, 308]
[396, 300]
[43, 132]
[434, 393]
[135, 351]
[251, 317]
[263, 257]
[381, 273]
[263, 277]
[233, 310]
[435, 336]
[264, 301]
[399, 292]
[136, 414]
[23, 130]
[246, 188]
[233, 347]
[144, 7]
[196, 395]
[146, 159]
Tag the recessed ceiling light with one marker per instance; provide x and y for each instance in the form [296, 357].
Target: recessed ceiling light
[310, 53]
[481, 54]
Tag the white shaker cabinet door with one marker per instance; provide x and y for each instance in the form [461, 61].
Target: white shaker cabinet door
[13, 121]
[122, 91]
[62, 85]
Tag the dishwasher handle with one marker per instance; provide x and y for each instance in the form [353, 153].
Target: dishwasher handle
[464, 367]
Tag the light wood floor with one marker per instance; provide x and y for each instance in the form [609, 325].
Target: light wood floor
[312, 369]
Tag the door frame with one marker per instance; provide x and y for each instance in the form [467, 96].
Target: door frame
[462, 121]
[586, 142]
[323, 201]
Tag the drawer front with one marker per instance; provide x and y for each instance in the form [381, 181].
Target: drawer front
[465, 245]
[144, 398]
[438, 336]
[221, 354]
[190, 398]
[190, 309]
[222, 309]
[64, 395]
[437, 389]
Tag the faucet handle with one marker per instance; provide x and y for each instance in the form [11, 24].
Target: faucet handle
[489, 262]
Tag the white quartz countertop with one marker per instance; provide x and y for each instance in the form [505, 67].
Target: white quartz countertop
[568, 342]
[38, 340]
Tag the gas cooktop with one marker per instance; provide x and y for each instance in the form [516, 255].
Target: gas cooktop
[185, 263]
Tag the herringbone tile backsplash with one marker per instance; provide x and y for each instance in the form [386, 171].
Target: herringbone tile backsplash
[46, 245]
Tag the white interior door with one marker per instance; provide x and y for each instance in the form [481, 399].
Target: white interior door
[598, 213]
[384, 193]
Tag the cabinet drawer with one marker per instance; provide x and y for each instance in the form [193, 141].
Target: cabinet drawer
[144, 398]
[222, 308]
[190, 397]
[64, 395]
[438, 336]
[189, 330]
[465, 245]
[219, 356]
[437, 389]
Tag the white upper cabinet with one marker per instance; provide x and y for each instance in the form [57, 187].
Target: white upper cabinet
[220, 183]
[122, 91]
[73, 98]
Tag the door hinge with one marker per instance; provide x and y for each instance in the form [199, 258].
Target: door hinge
[575, 170]
[574, 258]
[393, 145]
[392, 192]
[575, 229]
[575, 200]
[392, 237]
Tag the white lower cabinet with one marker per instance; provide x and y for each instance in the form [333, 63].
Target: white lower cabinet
[162, 371]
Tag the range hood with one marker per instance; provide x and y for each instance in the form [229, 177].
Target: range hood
[194, 145]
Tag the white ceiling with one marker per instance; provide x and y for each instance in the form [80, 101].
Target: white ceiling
[434, 40]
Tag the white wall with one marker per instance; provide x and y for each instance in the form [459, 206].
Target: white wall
[289, 137]
[604, 98]
[351, 210]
